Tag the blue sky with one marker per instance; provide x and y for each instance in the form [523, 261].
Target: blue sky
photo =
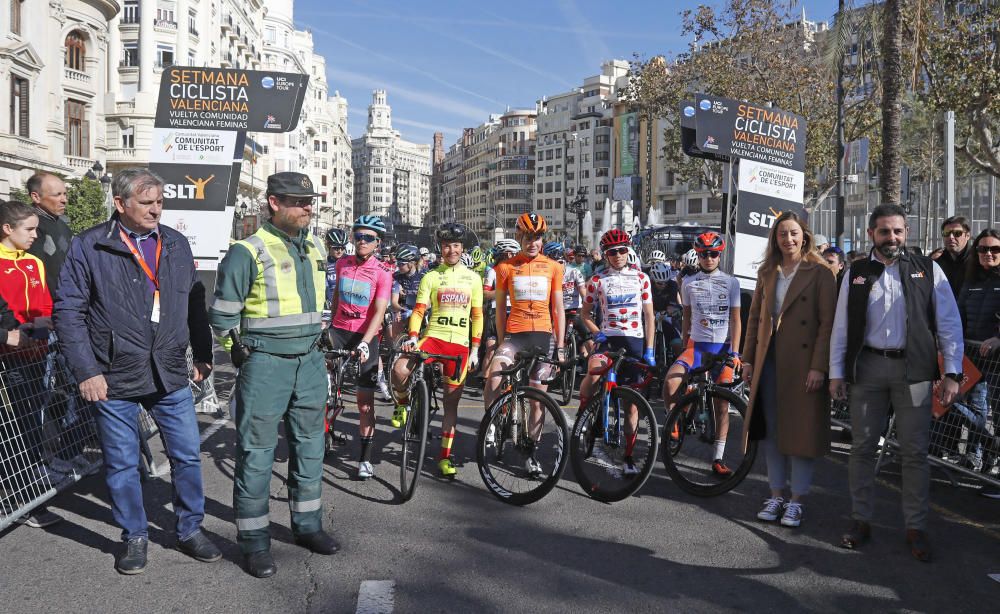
[448, 64]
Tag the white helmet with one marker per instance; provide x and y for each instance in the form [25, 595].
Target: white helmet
[633, 258]
[657, 256]
[690, 258]
[467, 260]
[506, 245]
[432, 257]
[660, 272]
[349, 248]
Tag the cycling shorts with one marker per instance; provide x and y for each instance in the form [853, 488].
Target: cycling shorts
[633, 347]
[521, 342]
[367, 371]
[693, 356]
[433, 345]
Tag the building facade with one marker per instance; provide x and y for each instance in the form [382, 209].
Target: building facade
[54, 91]
[392, 176]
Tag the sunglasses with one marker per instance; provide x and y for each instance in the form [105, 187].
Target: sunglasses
[709, 254]
[988, 249]
[362, 237]
[337, 248]
[954, 234]
[616, 251]
[297, 202]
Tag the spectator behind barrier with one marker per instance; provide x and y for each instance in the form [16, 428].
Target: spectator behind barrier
[126, 311]
[979, 305]
[26, 295]
[953, 261]
[48, 195]
[788, 341]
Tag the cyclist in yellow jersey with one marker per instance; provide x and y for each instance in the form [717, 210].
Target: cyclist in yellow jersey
[455, 295]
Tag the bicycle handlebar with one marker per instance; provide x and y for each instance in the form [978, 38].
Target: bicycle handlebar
[711, 361]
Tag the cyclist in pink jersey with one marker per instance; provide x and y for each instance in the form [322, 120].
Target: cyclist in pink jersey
[364, 287]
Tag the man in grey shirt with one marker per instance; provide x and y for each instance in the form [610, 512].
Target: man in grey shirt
[895, 312]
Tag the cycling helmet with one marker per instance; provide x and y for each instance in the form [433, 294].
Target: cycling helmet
[614, 238]
[478, 255]
[690, 258]
[554, 250]
[531, 223]
[424, 252]
[709, 241]
[336, 237]
[660, 272]
[450, 232]
[657, 256]
[370, 222]
[633, 258]
[466, 260]
[406, 253]
[432, 258]
[506, 245]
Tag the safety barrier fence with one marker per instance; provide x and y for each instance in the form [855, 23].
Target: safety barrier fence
[48, 436]
[965, 439]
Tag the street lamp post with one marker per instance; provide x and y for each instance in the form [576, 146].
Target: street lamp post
[238, 214]
[579, 207]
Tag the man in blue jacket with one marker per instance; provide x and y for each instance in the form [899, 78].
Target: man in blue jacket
[128, 305]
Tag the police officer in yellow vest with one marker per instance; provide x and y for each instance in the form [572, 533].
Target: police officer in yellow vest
[270, 287]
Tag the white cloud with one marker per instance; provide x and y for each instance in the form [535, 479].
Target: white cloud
[429, 99]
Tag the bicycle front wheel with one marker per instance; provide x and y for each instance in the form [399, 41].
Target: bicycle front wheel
[601, 458]
[521, 452]
[691, 441]
[414, 434]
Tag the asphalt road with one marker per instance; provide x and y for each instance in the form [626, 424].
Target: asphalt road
[454, 548]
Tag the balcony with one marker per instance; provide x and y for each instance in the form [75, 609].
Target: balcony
[76, 77]
[226, 61]
[125, 108]
[79, 165]
[121, 154]
[226, 23]
[22, 148]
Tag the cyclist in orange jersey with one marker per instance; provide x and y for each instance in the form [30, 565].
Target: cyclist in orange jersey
[533, 282]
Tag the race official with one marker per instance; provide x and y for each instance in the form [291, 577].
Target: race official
[270, 287]
[895, 312]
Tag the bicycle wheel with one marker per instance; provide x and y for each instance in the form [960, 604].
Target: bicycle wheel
[567, 379]
[414, 434]
[503, 447]
[689, 437]
[599, 464]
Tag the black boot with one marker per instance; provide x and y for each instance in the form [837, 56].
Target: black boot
[260, 564]
[133, 557]
[319, 542]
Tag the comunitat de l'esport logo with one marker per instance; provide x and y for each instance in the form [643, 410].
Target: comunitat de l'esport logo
[267, 82]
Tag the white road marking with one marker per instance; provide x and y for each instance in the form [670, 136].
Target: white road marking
[212, 430]
[376, 597]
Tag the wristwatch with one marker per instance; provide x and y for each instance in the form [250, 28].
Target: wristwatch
[958, 377]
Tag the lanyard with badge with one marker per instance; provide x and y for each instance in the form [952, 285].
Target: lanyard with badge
[153, 277]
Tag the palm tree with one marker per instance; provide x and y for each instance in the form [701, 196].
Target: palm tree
[892, 100]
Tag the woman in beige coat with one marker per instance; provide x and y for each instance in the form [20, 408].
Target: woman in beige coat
[785, 360]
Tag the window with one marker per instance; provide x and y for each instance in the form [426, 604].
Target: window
[322, 181]
[193, 22]
[695, 206]
[669, 207]
[165, 15]
[601, 172]
[601, 189]
[585, 157]
[548, 155]
[558, 203]
[601, 156]
[602, 139]
[558, 186]
[164, 55]
[715, 205]
[192, 59]
[584, 174]
[76, 51]
[19, 106]
[570, 176]
[548, 187]
[548, 203]
[77, 141]
[316, 145]
[15, 16]
[324, 147]
[130, 55]
[558, 154]
[130, 12]
[128, 138]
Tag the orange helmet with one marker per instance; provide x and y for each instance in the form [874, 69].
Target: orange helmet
[709, 241]
[531, 223]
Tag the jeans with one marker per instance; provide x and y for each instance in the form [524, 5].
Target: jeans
[118, 425]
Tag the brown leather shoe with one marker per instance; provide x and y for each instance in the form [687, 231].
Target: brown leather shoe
[859, 534]
[920, 546]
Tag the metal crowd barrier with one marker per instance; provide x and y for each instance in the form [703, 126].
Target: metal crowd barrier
[48, 439]
[965, 440]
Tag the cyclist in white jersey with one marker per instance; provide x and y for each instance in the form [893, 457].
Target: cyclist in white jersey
[711, 325]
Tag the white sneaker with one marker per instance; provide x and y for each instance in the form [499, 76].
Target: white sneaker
[772, 509]
[793, 515]
[533, 468]
[365, 470]
[383, 390]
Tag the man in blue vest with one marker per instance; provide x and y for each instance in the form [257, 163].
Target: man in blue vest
[895, 312]
[270, 287]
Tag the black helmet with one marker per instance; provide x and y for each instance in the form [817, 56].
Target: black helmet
[336, 237]
[450, 232]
